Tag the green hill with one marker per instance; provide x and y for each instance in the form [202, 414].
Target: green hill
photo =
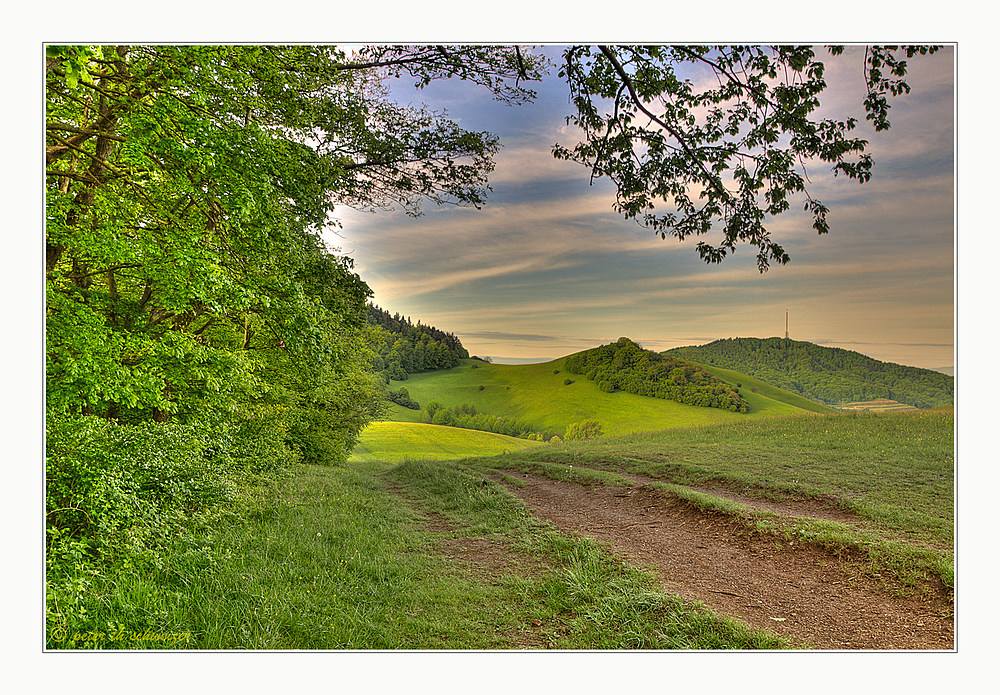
[538, 393]
[829, 375]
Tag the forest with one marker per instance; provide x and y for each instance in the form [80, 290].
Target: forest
[827, 375]
[625, 366]
[404, 348]
[202, 336]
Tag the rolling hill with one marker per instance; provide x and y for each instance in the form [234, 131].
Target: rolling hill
[538, 393]
[832, 376]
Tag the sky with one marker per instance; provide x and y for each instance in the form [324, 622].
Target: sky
[547, 268]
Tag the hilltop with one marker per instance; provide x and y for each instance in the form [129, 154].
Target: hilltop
[833, 376]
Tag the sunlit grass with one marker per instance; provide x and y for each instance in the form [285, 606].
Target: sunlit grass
[394, 441]
[537, 393]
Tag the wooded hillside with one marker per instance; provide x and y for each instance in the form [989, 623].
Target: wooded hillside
[625, 366]
[404, 348]
[828, 375]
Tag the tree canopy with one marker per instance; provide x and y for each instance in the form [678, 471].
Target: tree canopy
[725, 155]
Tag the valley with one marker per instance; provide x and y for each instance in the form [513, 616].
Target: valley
[832, 528]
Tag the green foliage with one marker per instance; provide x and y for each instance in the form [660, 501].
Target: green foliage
[736, 138]
[402, 397]
[119, 496]
[588, 429]
[404, 348]
[198, 326]
[625, 366]
[829, 375]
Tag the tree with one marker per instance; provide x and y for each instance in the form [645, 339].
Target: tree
[588, 429]
[728, 156]
[186, 190]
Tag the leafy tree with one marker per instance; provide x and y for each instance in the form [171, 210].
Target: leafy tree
[728, 156]
[588, 429]
[194, 316]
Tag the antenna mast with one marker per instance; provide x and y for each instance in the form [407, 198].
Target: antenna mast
[786, 324]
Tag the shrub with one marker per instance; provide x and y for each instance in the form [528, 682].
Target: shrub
[402, 397]
[588, 429]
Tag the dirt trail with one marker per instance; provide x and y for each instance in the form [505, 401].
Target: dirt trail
[794, 590]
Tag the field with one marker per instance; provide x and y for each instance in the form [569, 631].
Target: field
[538, 393]
[881, 405]
[392, 552]
[392, 442]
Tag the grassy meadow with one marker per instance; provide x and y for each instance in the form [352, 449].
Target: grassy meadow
[392, 442]
[370, 556]
[538, 393]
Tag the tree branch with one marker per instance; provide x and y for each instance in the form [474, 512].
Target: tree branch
[627, 81]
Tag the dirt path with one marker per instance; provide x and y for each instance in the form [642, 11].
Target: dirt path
[790, 589]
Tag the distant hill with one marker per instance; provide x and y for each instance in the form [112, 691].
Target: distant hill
[829, 375]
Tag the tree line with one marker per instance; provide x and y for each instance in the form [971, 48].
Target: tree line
[466, 416]
[403, 348]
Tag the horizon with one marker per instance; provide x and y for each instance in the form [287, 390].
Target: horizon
[547, 268]
[500, 359]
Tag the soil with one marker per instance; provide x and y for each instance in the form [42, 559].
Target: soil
[801, 591]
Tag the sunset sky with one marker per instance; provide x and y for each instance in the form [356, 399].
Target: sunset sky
[547, 268]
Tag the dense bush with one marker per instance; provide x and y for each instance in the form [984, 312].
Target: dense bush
[625, 366]
[119, 496]
[402, 397]
[588, 429]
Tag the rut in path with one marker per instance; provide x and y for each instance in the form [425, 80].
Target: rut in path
[791, 589]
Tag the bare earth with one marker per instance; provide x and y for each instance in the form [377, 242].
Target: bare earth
[796, 590]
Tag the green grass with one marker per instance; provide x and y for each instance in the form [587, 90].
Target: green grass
[394, 441]
[537, 393]
[894, 470]
[343, 558]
